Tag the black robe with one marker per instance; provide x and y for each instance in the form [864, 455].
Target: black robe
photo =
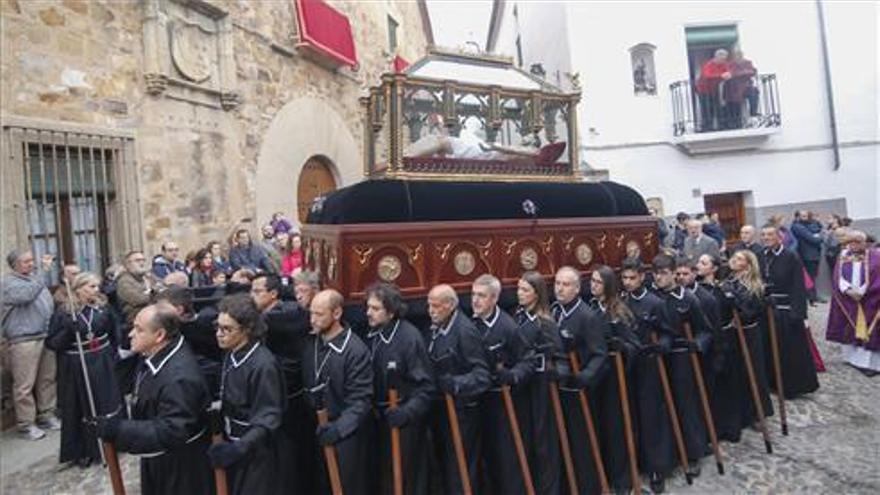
[168, 412]
[656, 440]
[622, 342]
[252, 405]
[732, 403]
[402, 343]
[508, 348]
[456, 349]
[199, 332]
[588, 329]
[288, 327]
[784, 276]
[711, 307]
[679, 306]
[344, 365]
[541, 436]
[97, 331]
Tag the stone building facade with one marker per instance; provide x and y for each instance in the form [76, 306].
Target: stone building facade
[201, 113]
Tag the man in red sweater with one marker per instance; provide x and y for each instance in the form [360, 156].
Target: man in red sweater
[712, 73]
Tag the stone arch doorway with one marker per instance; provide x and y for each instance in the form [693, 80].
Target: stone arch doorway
[315, 179]
[303, 129]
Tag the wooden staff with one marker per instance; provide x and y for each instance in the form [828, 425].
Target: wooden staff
[563, 436]
[106, 448]
[517, 437]
[393, 401]
[457, 444]
[330, 456]
[673, 414]
[753, 383]
[591, 429]
[777, 369]
[627, 424]
[222, 487]
[704, 398]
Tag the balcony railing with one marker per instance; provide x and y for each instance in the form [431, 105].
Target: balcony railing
[695, 113]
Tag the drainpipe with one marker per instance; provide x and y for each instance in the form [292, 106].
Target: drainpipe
[829, 92]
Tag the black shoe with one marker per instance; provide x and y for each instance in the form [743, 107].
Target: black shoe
[658, 482]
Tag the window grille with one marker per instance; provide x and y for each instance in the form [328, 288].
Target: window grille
[73, 194]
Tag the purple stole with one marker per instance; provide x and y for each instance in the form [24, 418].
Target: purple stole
[851, 322]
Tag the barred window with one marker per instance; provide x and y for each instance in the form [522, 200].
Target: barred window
[73, 194]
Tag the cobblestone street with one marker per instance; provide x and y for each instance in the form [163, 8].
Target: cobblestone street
[833, 447]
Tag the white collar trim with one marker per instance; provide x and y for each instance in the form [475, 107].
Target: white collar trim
[341, 348]
[245, 358]
[491, 323]
[381, 333]
[566, 313]
[156, 369]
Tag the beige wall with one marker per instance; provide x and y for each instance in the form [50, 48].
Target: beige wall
[201, 167]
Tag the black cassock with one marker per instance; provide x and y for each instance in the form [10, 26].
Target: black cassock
[401, 343]
[343, 364]
[199, 331]
[507, 348]
[732, 403]
[252, 405]
[456, 350]
[679, 306]
[288, 328]
[622, 341]
[539, 423]
[167, 426]
[784, 277]
[97, 332]
[588, 329]
[711, 307]
[656, 440]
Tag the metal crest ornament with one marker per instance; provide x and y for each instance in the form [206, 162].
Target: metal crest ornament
[528, 258]
[584, 254]
[388, 268]
[193, 50]
[464, 263]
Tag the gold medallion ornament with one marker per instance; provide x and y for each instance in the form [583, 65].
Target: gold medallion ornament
[528, 258]
[388, 268]
[464, 263]
[584, 254]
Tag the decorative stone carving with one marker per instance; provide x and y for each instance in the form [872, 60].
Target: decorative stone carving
[528, 258]
[388, 268]
[584, 254]
[188, 52]
[464, 263]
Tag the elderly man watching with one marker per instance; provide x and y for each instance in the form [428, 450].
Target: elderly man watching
[697, 243]
[27, 308]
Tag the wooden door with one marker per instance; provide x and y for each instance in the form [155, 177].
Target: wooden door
[731, 212]
[316, 179]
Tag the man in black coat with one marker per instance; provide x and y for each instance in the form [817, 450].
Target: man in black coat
[168, 409]
[583, 332]
[657, 455]
[808, 232]
[784, 280]
[287, 327]
[338, 373]
[460, 370]
[680, 307]
[511, 362]
[400, 361]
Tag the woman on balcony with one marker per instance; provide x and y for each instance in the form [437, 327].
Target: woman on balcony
[740, 87]
[712, 74]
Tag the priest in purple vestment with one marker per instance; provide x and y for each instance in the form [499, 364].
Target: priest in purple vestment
[855, 306]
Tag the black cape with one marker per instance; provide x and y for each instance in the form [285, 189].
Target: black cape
[252, 404]
[401, 343]
[343, 364]
[167, 425]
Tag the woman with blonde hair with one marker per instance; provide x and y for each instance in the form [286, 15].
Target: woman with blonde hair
[743, 292]
[83, 334]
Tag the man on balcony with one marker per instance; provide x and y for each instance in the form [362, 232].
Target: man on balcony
[712, 74]
[738, 89]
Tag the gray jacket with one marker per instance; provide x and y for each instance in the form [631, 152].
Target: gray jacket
[694, 248]
[27, 307]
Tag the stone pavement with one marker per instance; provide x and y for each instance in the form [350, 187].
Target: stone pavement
[833, 447]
